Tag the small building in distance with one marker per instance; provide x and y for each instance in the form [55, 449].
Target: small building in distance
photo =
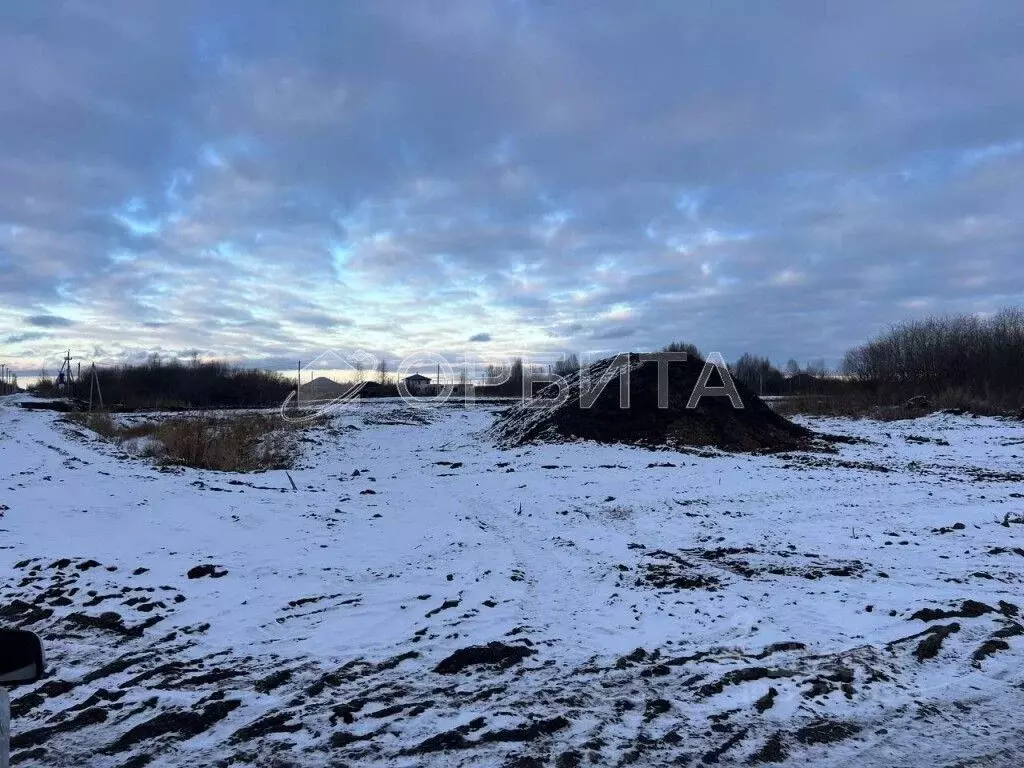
[417, 384]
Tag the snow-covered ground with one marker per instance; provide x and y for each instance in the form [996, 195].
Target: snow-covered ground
[646, 607]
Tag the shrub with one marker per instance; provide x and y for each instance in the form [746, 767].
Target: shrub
[887, 405]
[237, 443]
[173, 385]
[976, 362]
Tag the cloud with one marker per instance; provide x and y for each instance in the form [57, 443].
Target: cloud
[49, 321]
[619, 332]
[20, 338]
[480, 337]
[320, 320]
[240, 178]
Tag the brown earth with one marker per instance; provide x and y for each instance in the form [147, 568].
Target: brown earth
[713, 423]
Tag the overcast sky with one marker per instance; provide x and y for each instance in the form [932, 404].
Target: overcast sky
[266, 180]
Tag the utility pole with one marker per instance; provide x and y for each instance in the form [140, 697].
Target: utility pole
[94, 384]
[298, 386]
[65, 376]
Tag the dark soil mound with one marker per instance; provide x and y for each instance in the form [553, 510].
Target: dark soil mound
[492, 654]
[714, 422]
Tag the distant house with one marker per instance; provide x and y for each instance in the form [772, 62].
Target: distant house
[417, 385]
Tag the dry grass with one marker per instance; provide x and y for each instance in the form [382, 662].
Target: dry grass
[841, 407]
[100, 423]
[862, 405]
[237, 443]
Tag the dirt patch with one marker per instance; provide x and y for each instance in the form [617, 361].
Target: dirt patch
[108, 621]
[746, 675]
[61, 406]
[273, 680]
[22, 614]
[493, 654]
[457, 738]
[453, 739]
[50, 689]
[276, 723]
[691, 569]
[930, 646]
[826, 732]
[971, 609]
[989, 647]
[767, 701]
[406, 417]
[184, 725]
[1013, 629]
[207, 569]
[41, 735]
[714, 422]
[671, 571]
[773, 751]
[715, 754]
[527, 731]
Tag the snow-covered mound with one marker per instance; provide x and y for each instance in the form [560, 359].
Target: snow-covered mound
[714, 422]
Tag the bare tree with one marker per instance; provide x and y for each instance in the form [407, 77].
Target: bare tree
[757, 373]
[495, 373]
[691, 350]
[515, 383]
[382, 371]
[568, 365]
[982, 357]
[816, 368]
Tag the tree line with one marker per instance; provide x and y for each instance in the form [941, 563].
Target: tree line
[970, 358]
[172, 384]
[958, 360]
[980, 357]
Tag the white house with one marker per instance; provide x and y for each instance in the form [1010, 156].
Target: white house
[416, 384]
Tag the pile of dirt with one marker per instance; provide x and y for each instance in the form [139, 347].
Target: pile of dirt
[322, 388]
[714, 422]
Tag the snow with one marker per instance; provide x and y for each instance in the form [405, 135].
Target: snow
[568, 550]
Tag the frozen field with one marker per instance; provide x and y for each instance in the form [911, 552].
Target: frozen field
[858, 608]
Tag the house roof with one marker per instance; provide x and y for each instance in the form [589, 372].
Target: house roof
[416, 377]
